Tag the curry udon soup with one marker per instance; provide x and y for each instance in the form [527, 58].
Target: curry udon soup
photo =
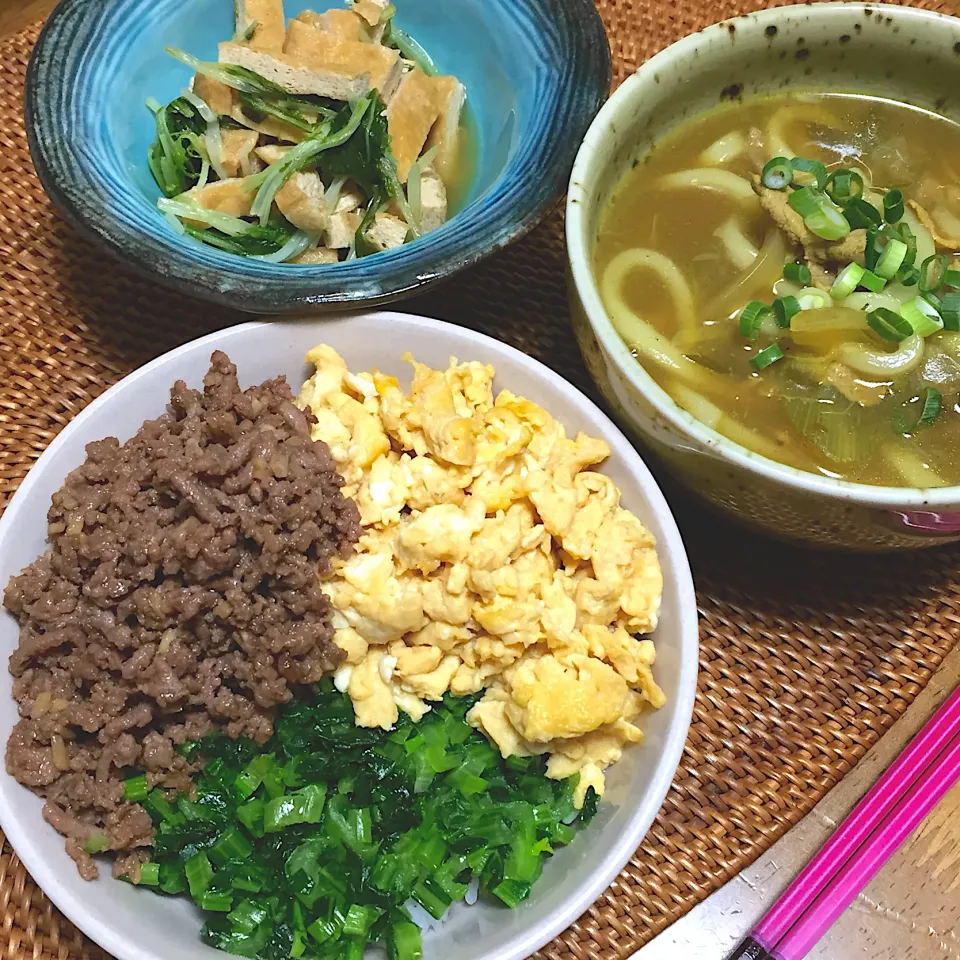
[786, 269]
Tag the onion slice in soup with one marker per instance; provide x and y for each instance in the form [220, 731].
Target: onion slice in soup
[765, 272]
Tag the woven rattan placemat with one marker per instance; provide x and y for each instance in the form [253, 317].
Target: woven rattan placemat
[806, 658]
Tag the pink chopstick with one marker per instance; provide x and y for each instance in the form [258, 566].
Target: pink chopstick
[875, 805]
[860, 869]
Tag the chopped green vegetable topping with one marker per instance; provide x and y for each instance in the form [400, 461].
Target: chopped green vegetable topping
[861, 215]
[889, 325]
[870, 281]
[135, 789]
[777, 174]
[893, 206]
[96, 843]
[765, 357]
[797, 273]
[315, 844]
[922, 316]
[752, 317]
[950, 311]
[784, 309]
[843, 185]
[933, 273]
[820, 214]
[891, 259]
[908, 276]
[848, 279]
[813, 168]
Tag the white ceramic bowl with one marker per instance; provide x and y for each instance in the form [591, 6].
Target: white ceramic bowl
[135, 924]
[889, 51]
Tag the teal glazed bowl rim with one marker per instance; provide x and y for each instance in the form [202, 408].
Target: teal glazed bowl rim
[79, 61]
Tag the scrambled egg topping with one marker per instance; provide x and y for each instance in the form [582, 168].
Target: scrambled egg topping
[492, 558]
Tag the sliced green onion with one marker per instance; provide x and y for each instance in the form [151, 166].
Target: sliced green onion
[806, 201]
[797, 273]
[96, 843]
[848, 279]
[891, 259]
[159, 807]
[404, 940]
[889, 325]
[135, 789]
[861, 215]
[812, 298]
[952, 279]
[232, 845]
[358, 920]
[752, 317]
[785, 308]
[933, 272]
[813, 167]
[777, 173]
[903, 232]
[150, 874]
[933, 300]
[843, 185]
[199, 874]
[950, 311]
[323, 930]
[872, 282]
[908, 276]
[932, 404]
[872, 248]
[210, 900]
[828, 223]
[763, 359]
[304, 806]
[923, 318]
[893, 206]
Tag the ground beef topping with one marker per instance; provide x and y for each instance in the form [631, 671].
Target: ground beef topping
[180, 594]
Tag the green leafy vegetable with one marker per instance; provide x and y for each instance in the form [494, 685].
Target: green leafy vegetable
[409, 48]
[296, 111]
[256, 241]
[313, 845]
[358, 159]
[178, 156]
[366, 159]
[329, 135]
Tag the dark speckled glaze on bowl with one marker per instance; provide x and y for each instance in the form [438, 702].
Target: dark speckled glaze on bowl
[903, 53]
[536, 71]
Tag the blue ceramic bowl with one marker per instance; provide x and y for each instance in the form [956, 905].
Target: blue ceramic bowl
[536, 72]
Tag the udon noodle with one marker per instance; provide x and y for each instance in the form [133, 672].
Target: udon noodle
[786, 269]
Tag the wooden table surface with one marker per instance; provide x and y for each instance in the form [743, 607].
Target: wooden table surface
[911, 911]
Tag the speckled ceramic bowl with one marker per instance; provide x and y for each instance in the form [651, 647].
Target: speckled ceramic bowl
[135, 924]
[535, 72]
[897, 52]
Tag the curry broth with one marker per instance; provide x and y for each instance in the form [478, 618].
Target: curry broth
[897, 146]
